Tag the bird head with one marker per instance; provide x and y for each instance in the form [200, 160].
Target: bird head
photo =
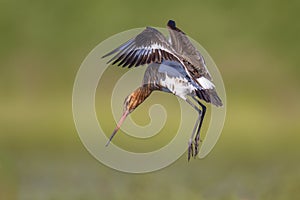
[137, 97]
[131, 102]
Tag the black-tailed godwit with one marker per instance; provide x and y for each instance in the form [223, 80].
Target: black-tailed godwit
[174, 66]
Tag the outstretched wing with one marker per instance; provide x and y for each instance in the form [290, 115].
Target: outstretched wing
[183, 46]
[147, 47]
[194, 63]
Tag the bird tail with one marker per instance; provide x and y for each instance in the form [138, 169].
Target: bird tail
[210, 96]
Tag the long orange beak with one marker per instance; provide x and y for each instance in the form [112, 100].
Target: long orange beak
[118, 127]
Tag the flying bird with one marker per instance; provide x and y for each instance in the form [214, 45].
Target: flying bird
[174, 66]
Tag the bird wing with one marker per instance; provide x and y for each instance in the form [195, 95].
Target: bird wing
[195, 62]
[147, 47]
[175, 69]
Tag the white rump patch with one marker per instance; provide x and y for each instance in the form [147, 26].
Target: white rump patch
[205, 83]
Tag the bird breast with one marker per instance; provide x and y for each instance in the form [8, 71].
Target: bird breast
[179, 86]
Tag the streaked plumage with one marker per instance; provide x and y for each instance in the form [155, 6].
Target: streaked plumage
[175, 67]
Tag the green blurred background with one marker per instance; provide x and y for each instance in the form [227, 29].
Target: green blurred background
[255, 44]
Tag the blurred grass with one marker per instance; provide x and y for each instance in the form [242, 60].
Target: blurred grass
[255, 45]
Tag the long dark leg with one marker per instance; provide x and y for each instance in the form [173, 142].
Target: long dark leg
[197, 138]
[191, 152]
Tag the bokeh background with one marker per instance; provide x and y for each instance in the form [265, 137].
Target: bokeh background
[255, 44]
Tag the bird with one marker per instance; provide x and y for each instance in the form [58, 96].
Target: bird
[174, 65]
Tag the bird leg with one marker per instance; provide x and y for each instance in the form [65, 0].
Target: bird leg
[190, 149]
[193, 145]
[201, 115]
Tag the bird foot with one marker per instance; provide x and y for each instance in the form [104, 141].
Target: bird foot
[190, 149]
[193, 148]
[196, 147]
[197, 140]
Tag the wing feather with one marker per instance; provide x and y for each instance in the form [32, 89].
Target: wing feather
[147, 47]
[151, 46]
[183, 46]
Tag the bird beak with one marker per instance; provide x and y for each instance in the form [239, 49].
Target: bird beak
[125, 114]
